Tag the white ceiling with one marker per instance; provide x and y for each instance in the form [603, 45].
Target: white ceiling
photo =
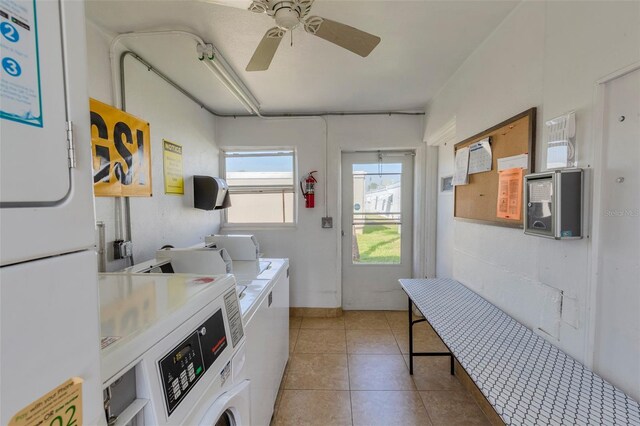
[423, 43]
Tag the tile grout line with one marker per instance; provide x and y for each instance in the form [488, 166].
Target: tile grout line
[425, 407]
[286, 371]
[296, 341]
[346, 349]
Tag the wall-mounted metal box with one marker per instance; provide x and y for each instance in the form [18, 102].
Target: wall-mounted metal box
[553, 204]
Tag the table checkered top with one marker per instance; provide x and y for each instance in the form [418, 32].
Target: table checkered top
[526, 379]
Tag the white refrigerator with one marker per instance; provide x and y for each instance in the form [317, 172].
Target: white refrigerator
[49, 316]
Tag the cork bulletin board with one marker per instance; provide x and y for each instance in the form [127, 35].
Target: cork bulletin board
[477, 200]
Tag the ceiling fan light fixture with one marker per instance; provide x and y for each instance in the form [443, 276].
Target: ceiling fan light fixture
[287, 18]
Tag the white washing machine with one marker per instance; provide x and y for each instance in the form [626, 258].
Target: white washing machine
[172, 350]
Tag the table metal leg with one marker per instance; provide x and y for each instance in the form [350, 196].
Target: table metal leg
[412, 353]
[410, 337]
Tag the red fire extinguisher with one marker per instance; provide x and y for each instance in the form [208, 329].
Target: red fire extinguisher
[308, 190]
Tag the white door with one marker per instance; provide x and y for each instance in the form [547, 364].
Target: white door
[617, 350]
[377, 212]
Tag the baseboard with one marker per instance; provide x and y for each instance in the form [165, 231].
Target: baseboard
[485, 405]
[315, 312]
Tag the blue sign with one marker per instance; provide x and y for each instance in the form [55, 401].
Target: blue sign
[9, 32]
[11, 67]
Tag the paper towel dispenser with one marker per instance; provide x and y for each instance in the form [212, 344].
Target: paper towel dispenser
[210, 193]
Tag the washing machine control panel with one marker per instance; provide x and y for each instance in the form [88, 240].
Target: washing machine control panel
[184, 365]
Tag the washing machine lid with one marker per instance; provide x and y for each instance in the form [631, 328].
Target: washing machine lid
[250, 269]
[133, 306]
[273, 267]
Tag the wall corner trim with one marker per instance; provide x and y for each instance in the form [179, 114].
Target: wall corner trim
[446, 133]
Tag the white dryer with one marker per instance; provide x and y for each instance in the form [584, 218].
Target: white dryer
[172, 350]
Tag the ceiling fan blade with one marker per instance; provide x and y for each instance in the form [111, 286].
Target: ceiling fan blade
[265, 51]
[305, 7]
[353, 39]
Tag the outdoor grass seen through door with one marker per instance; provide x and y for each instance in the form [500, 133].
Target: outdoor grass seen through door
[376, 243]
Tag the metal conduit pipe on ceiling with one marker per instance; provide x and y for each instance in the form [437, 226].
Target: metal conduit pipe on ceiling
[219, 67]
[281, 115]
[238, 90]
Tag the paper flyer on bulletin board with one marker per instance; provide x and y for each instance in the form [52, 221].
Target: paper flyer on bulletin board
[510, 194]
[20, 95]
[173, 176]
[121, 147]
[480, 157]
[461, 167]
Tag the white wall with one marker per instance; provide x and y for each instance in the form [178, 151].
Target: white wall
[315, 252]
[548, 55]
[160, 219]
[444, 242]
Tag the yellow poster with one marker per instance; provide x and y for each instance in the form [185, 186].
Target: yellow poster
[173, 177]
[510, 194]
[60, 406]
[121, 147]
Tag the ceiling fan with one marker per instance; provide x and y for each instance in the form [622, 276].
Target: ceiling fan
[290, 14]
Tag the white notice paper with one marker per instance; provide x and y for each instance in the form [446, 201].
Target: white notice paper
[515, 162]
[20, 73]
[460, 176]
[480, 156]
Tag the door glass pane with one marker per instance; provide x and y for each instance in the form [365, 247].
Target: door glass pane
[377, 219]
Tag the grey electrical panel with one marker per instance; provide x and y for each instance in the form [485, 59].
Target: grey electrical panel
[553, 204]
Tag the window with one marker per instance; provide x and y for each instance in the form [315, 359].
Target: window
[262, 185]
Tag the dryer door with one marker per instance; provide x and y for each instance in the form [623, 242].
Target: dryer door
[230, 409]
[227, 419]
[34, 164]
[46, 204]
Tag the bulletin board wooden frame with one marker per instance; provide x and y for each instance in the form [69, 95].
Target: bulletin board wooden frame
[477, 201]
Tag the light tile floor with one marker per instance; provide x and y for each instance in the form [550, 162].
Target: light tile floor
[352, 370]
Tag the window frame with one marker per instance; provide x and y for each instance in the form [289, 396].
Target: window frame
[225, 224]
